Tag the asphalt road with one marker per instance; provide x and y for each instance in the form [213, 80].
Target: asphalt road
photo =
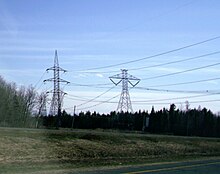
[190, 167]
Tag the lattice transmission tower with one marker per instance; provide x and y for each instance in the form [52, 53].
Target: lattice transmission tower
[57, 93]
[124, 104]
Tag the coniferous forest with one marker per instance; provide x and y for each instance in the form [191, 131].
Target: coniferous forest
[194, 122]
[18, 109]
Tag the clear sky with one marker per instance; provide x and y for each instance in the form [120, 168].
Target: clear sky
[96, 33]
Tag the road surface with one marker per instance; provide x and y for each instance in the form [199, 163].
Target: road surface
[189, 167]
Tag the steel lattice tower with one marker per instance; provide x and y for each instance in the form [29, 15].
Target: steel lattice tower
[124, 104]
[56, 102]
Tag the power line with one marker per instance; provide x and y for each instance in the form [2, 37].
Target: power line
[159, 90]
[101, 85]
[90, 85]
[152, 104]
[194, 102]
[148, 103]
[39, 79]
[177, 61]
[83, 98]
[162, 64]
[96, 97]
[185, 83]
[181, 72]
[106, 101]
[205, 101]
[94, 101]
[80, 97]
[175, 91]
[40, 86]
[77, 98]
[150, 100]
[48, 88]
[175, 98]
[156, 55]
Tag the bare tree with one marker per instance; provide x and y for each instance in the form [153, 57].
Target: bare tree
[41, 107]
[29, 100]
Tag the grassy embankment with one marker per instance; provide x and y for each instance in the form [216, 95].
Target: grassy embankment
[31, 150]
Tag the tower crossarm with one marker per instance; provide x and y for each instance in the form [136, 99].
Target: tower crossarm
[118, 77]
[58, 80]
[63, 81]
[124, 104]
[133, 84]
[49, 80]
[56, 68]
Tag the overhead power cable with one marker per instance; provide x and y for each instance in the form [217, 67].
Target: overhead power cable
[154, 102]
[161, 103]
[163, 90]
[205, 101]
[96, 97]
[174, 98]
[185, 83]
[106, 101]
[162, 64]
[181, 72]
[78, 98]
[40, 86]
[101, 85]
[85, 100]
[177, 61]
[90, 85]
[156, 55]
[40, 80]
[192, 102]
[177, 91]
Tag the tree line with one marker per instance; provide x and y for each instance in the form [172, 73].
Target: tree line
[22, 107]
[193, 122]
[17, 105]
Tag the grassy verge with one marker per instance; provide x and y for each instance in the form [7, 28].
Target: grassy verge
[32, 150]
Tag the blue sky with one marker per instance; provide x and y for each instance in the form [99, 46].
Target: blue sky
[96, 33]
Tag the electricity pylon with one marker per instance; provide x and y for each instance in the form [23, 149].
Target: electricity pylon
[56, 102]
[124, 104]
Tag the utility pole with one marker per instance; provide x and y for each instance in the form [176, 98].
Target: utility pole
[187, 113]
[74, 112]
[144, 123]
[124, 104]
[56, 103]
[187, 105]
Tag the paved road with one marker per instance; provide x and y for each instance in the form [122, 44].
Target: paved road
[191, 167]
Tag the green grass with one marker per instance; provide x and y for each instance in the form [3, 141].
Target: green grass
[59, 151]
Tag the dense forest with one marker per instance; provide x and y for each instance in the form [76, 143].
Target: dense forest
[194, 122]
[21, 107]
